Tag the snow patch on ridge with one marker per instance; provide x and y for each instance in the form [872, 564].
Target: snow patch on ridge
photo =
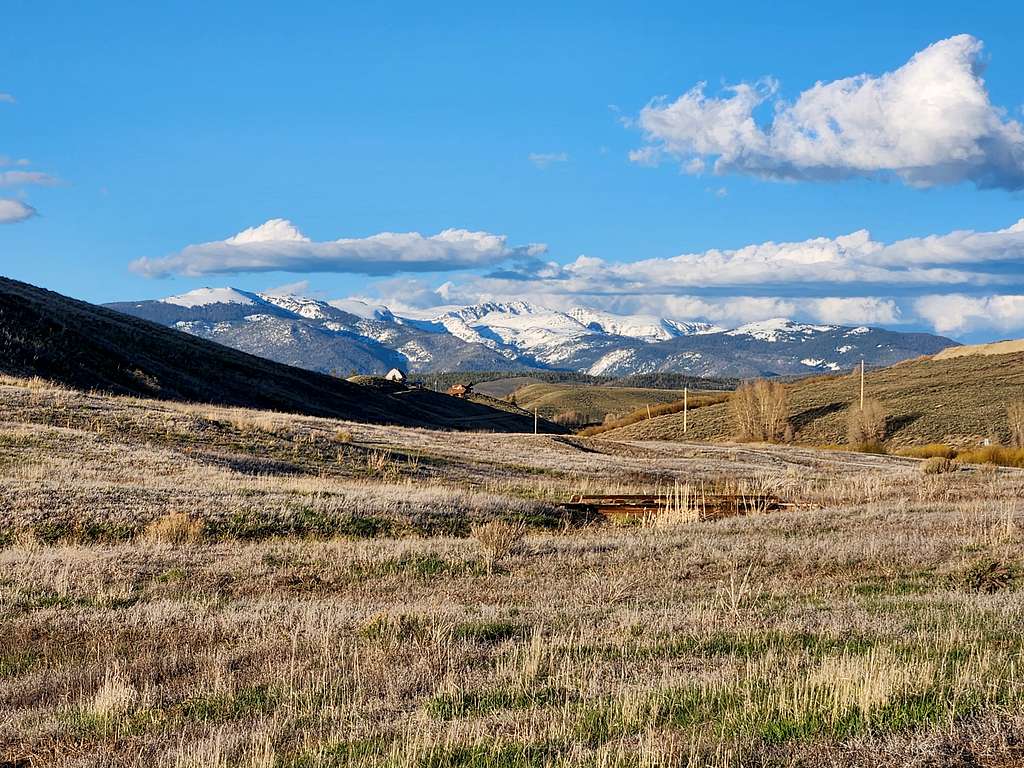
[811, 362]
[778, 328]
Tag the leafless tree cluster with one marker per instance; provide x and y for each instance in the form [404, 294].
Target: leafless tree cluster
[761, 411]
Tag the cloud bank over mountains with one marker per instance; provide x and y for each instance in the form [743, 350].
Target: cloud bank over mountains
[277, 245]
[950, 282]
[928, 123]
[848, 279]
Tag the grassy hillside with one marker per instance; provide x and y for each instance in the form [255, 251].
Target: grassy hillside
[87, 347]
[959, 400]
[592, 403]
[502, 383]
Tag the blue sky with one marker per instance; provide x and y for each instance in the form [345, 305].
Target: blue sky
[170, 127]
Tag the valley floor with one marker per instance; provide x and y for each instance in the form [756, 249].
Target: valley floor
[328, 606]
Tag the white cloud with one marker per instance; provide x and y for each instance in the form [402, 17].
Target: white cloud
[929, 122]
[14, 211]
[960, 313]
[6, 98]
[416, 297]
[959, 258]
[848, 280]
[853, 310]
[279, 245]
[545, 159]
[25, 178]
[298, 288]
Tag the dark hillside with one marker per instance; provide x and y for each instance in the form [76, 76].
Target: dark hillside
[89, 347]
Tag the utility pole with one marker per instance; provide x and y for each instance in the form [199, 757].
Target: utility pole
[685, 406]
[535, 420]
[648, 411]
[862, 383]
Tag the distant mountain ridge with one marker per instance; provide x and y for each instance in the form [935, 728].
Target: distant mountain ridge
[350, 335]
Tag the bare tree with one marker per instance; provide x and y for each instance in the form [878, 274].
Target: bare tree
[761, 410]
[1015, 417]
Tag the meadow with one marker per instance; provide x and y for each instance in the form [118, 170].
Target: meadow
[186, 585]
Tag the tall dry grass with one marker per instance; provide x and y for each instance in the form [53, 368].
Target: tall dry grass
[498, 539]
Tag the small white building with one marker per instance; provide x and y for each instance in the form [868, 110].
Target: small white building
[395, 375]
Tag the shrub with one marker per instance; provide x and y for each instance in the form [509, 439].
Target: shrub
[571, 418]
[174, 528]
[1015, 418]
[929, 451]
[498, 539]
[993, 454]
[866, 425]
[760, 410]
[939, 465]
[987, 576]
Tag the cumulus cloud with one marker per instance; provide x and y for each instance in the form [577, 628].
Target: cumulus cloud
[14, 211]
[545, 159]
[964, 257]
[930, 122]
[851, 310]
[961, 313]
[279, 245]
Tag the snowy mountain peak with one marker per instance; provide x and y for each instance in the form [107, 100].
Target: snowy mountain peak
[308, 308]
[643, 327]
[202, 297]
[363, 309]
[778, 328]
[487, 308]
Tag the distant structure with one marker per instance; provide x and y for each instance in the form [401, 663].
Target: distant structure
[460, 390]
[396, 375]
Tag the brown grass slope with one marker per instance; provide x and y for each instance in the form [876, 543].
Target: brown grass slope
[87, 347]
[958, 401]
[591, 401]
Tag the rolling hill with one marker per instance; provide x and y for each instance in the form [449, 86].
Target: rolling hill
[959, 400]
[590, 402]
[87, 347]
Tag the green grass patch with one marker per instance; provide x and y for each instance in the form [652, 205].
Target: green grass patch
[477, 703]
[233, 705]
[488, 631]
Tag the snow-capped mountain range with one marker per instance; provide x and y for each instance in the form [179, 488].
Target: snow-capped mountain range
[351, 335]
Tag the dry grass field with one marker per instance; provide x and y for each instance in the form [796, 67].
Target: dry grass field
[187, 585]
